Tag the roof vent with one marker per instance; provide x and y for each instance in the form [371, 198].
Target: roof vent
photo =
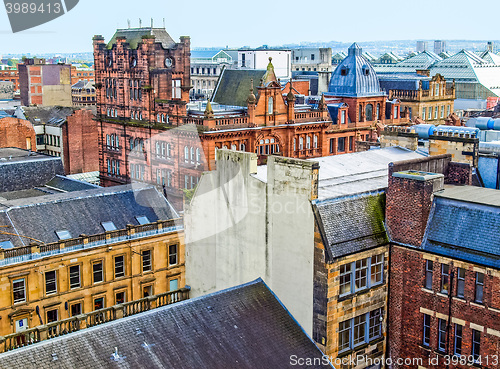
[54, 357]
[116, 356]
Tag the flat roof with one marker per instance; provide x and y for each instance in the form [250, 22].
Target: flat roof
[473, 194]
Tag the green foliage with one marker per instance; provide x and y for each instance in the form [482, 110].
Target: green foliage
[188, 194]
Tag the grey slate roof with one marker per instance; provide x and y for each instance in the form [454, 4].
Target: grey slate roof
[242, 327]
[20, 170]
[360, 78]
[66, 184]
[233, 86]
[464, 223]
[134, 36]
[82, 212]
[352, 224]
[51, 115]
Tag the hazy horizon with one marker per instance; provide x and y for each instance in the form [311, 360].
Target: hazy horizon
[263, 22]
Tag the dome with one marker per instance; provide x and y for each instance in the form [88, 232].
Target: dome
[354, 76]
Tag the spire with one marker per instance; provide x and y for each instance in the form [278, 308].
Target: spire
[251, 97]
[290, 97]
[270, 76]
[322, 103]
[209, 113]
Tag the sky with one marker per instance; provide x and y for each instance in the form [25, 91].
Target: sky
[253, 23]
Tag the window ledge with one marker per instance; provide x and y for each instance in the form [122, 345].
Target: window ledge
[427, 290]
[477, 304]
[440, 294]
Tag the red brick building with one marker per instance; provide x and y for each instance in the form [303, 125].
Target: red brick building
[16, 132]
[148, 134]
[10, 74]
[444, 300]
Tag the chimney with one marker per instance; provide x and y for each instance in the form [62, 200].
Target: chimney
[408, 204]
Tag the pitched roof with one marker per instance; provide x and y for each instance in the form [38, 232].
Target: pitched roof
[134, 36]
[423, 60]
[233, 86]
[21, 170]
[241, 327]
[354, 76]
[82, 212]
[461, 222]
[352, 224]
[52, 115]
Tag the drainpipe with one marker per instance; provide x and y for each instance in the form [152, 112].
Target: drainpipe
[448, 328]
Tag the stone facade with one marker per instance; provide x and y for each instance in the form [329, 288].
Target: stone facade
[68, 283]
[463, 148]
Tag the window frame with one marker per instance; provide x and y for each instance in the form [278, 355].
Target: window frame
[429, 274]
[426, 331]
[46, 282]
[147, 251]
[445, 279]
[479, 286]
[70, 277]
[460, 283]
[94, 264]
[476, 345]
[442, 323]
[122, 274]
[14, 290]
[173, 254]
[457, 349]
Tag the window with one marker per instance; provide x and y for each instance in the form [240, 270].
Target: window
[427, 330]
[460, 282]
[342, 117]
[76, 309]
[341, 144]
[436, 109]
[359, 329]
[6, 244]
[332, 145]
[396, 111]
[97, 272]
[445, 278]
[119, 266]
[424, 111]
[142, 219]
[351, 143]
[315, 141]
[191, 150]
[74, 276]
[172, 255]
[344, 335]
[308, 142]
[120, 297]
[442, 111]
[270, 106]
[476, 344]
[108, 226]
[173, 285]
[99, 303]
[430, 112]
[50, 282]
[377, 269]
[458, 340]
[378, 111]
[147, 291]
[146, 260]
[186, 154]
[479, 287]
[198, 154]
[344, 71]
[375, 324]
[442, 335]
[176, 89]
[369, 112]
[428, 274]
[63, 234]
[19, 290]
[448, 110]
[345, 279]
[361, 274]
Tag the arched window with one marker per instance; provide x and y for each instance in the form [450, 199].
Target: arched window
[192, 154]
[270, 106]
[308, 142]
[369, 112]
[107, 112]
[140, 115]
[242, 147]
[158, 118]
[198, 155]
[107, 140]
[360, 112]
[315, 141]
[163, 118]
[301, 143]
[186, 153]
[294, 144]
[378, 111]
[233, 147]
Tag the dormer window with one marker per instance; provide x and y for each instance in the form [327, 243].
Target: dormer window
[344, 71]
[142, 219]
[63, 234]
[366, 70]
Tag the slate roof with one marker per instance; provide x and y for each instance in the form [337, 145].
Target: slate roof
[52, 115]
[233, 86]
[354, 76]
[241, 327]
[464, 223]
[20, 170]
[69, 184]
[352, 224]
[82, 212]
[134, 36]
[423, 60]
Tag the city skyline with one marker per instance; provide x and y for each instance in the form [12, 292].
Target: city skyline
[278, 26]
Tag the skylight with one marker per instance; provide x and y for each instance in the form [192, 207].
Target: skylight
[142, 219]
[6, 244]
[108, 226]
[63, 234]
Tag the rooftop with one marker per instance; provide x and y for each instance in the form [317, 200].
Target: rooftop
[238, 327]
[233, 86]
[134, 36]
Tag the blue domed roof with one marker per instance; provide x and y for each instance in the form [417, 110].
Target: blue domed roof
[354, 76]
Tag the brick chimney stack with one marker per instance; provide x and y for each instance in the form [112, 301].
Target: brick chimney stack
[408, 204]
